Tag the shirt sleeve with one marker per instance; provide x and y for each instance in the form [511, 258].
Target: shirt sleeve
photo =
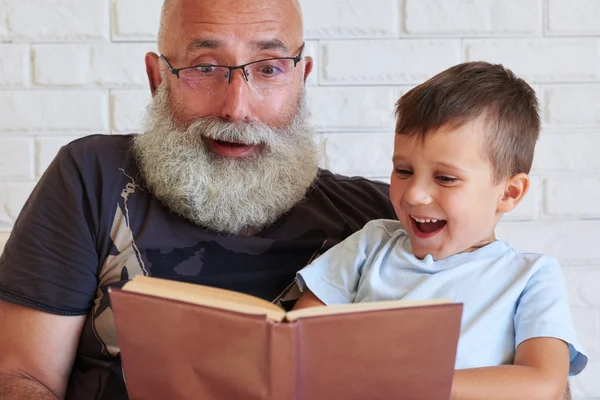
[50, 260]
[543, 311]
[334, 277]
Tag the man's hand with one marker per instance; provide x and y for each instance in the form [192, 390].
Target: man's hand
[37, 350]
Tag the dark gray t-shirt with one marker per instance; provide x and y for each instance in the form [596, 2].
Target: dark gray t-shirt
[90, 223]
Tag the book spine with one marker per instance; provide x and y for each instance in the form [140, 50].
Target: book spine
[283, 359]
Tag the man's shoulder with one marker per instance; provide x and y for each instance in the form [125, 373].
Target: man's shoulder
[355, 186]
[101, 145]
[99, 154]
[355, 197]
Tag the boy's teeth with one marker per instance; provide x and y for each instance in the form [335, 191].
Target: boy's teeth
[424, 220]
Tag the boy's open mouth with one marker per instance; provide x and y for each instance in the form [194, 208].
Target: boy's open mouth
[427, 226]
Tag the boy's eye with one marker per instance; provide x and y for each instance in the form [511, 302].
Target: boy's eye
[446, 179]
[402, 172]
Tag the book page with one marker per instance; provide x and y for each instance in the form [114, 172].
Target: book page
[205, 296]
[360, 307]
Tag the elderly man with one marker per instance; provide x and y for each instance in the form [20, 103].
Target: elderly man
[222, 189]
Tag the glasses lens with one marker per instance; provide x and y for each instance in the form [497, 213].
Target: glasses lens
[206, 78]
[270, 73]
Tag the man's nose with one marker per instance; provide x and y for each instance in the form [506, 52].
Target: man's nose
[236, 105]
[417, 193]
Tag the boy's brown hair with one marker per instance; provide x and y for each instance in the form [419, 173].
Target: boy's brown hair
[469, 91]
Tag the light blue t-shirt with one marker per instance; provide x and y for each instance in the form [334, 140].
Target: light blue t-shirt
[508, 297]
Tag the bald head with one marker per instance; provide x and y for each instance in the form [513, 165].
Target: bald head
[183, 19]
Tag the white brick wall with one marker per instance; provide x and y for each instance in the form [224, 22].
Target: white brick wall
[74, 67]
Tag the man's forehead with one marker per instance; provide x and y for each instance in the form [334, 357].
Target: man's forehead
[262, 24]
[233, 12]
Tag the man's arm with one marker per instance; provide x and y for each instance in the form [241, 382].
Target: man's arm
[37, 350]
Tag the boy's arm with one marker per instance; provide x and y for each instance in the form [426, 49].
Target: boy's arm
[540, 371]
[308, 299]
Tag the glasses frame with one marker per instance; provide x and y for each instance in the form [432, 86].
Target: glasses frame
[176, 71]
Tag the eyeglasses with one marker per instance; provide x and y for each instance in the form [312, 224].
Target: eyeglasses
[262, 75]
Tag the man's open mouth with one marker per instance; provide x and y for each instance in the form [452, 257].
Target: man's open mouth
[427, 226]
[231, 143]
[233, 149]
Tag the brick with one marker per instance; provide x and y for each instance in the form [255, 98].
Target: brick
[353, 108]
[529, 209]
[46, 149]
[56, 20]
[361, 62]
[571, 242]
[13, 196]
[136, 19]
[574, 277]
[75, 110]
[5, 35]
[585, 385]
[560, 202]
[16, 158]
[573, 17]
[91, 65]
[366, 154]
[541, 60]
[589, 281]
[572, 105]
[567, 151]
[468, 18]
[587, 325]
[14, 65]
[351, 18]
[128, 109]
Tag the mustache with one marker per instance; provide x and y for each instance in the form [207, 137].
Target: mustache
[248, 133]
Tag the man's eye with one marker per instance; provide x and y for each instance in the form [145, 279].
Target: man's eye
[268, 70]
[206, 69]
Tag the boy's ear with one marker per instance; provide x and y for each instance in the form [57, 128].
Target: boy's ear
[516, 188]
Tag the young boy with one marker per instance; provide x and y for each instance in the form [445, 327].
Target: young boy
[463, 149]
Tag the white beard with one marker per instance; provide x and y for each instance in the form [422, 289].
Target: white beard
[235, 196]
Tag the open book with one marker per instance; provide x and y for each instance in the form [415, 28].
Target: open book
[186, 341]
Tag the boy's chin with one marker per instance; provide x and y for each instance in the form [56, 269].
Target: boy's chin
[421, 252]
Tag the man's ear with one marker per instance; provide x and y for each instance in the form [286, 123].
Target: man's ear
[153, 71]
[515, 189]
[308, 66]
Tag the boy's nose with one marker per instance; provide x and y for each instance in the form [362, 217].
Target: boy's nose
[417, 194]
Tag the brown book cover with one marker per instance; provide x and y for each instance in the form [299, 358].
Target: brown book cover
[185, 341]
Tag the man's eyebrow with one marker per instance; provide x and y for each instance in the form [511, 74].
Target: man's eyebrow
[204, 44]
[270, 44]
